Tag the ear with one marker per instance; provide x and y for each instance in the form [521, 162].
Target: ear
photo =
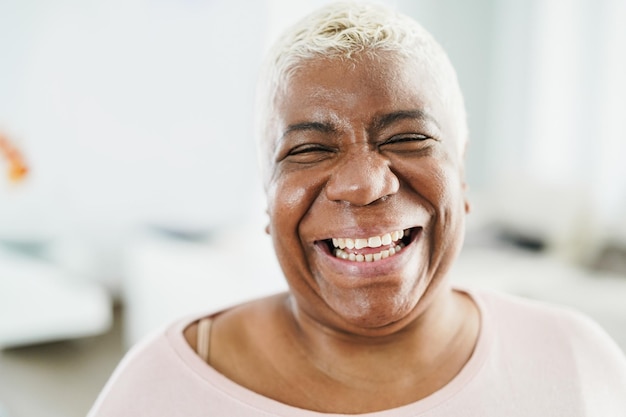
[468, 205]
[267, 226]
[466, 202]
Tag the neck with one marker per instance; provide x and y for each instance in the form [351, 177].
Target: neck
[441, 331]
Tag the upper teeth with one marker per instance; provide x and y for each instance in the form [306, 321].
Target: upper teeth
[371, 242]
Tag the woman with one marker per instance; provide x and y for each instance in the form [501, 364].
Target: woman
[363, 133]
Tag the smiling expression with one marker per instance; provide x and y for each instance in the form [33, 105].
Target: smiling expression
[365, 190]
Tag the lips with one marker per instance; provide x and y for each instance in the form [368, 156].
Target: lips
[370, 249]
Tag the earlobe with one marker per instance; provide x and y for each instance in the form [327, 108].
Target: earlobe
[267, 229]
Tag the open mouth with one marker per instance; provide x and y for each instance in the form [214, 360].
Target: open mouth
[373, 248]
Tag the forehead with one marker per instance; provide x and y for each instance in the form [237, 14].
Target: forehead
[342, 74]
[363, 87]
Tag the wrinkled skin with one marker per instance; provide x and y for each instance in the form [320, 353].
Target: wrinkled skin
[359, 150]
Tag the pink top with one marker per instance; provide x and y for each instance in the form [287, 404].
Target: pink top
[531, 359]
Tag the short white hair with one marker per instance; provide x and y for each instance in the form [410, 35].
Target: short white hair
[346, 30]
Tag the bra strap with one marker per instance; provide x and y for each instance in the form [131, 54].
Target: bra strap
[204, 336]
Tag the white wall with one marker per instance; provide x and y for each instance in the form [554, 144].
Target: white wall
[129, 113]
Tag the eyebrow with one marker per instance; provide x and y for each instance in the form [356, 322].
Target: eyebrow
[379, 122]
[390, 118]
[304, 126]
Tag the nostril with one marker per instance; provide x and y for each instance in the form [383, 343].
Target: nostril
[360, 186]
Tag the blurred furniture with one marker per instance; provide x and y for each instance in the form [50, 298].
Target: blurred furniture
[169, 275]
[40, 302]
[537, 275]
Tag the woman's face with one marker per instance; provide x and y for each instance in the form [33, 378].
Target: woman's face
[366, 191]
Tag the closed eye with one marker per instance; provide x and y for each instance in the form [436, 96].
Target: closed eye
[406, 143]
[309, 153]
[404, 139]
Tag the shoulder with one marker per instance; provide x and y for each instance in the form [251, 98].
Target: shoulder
[159, 361]
[533, 317]
[233, 326]
[240, 335]
[163, 374]
[529, 315]
[556, 337]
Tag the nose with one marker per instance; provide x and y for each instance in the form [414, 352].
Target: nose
[361, 178]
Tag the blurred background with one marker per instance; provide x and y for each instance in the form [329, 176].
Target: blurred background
[132, 195]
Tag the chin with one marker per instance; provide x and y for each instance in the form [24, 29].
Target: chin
[374, 308]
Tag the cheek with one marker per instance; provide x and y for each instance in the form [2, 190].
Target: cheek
[449, 221]
[289, 198]
[436, 183]
[284, 198]
[446, 195]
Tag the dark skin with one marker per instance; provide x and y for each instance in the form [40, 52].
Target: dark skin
[361, 150]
